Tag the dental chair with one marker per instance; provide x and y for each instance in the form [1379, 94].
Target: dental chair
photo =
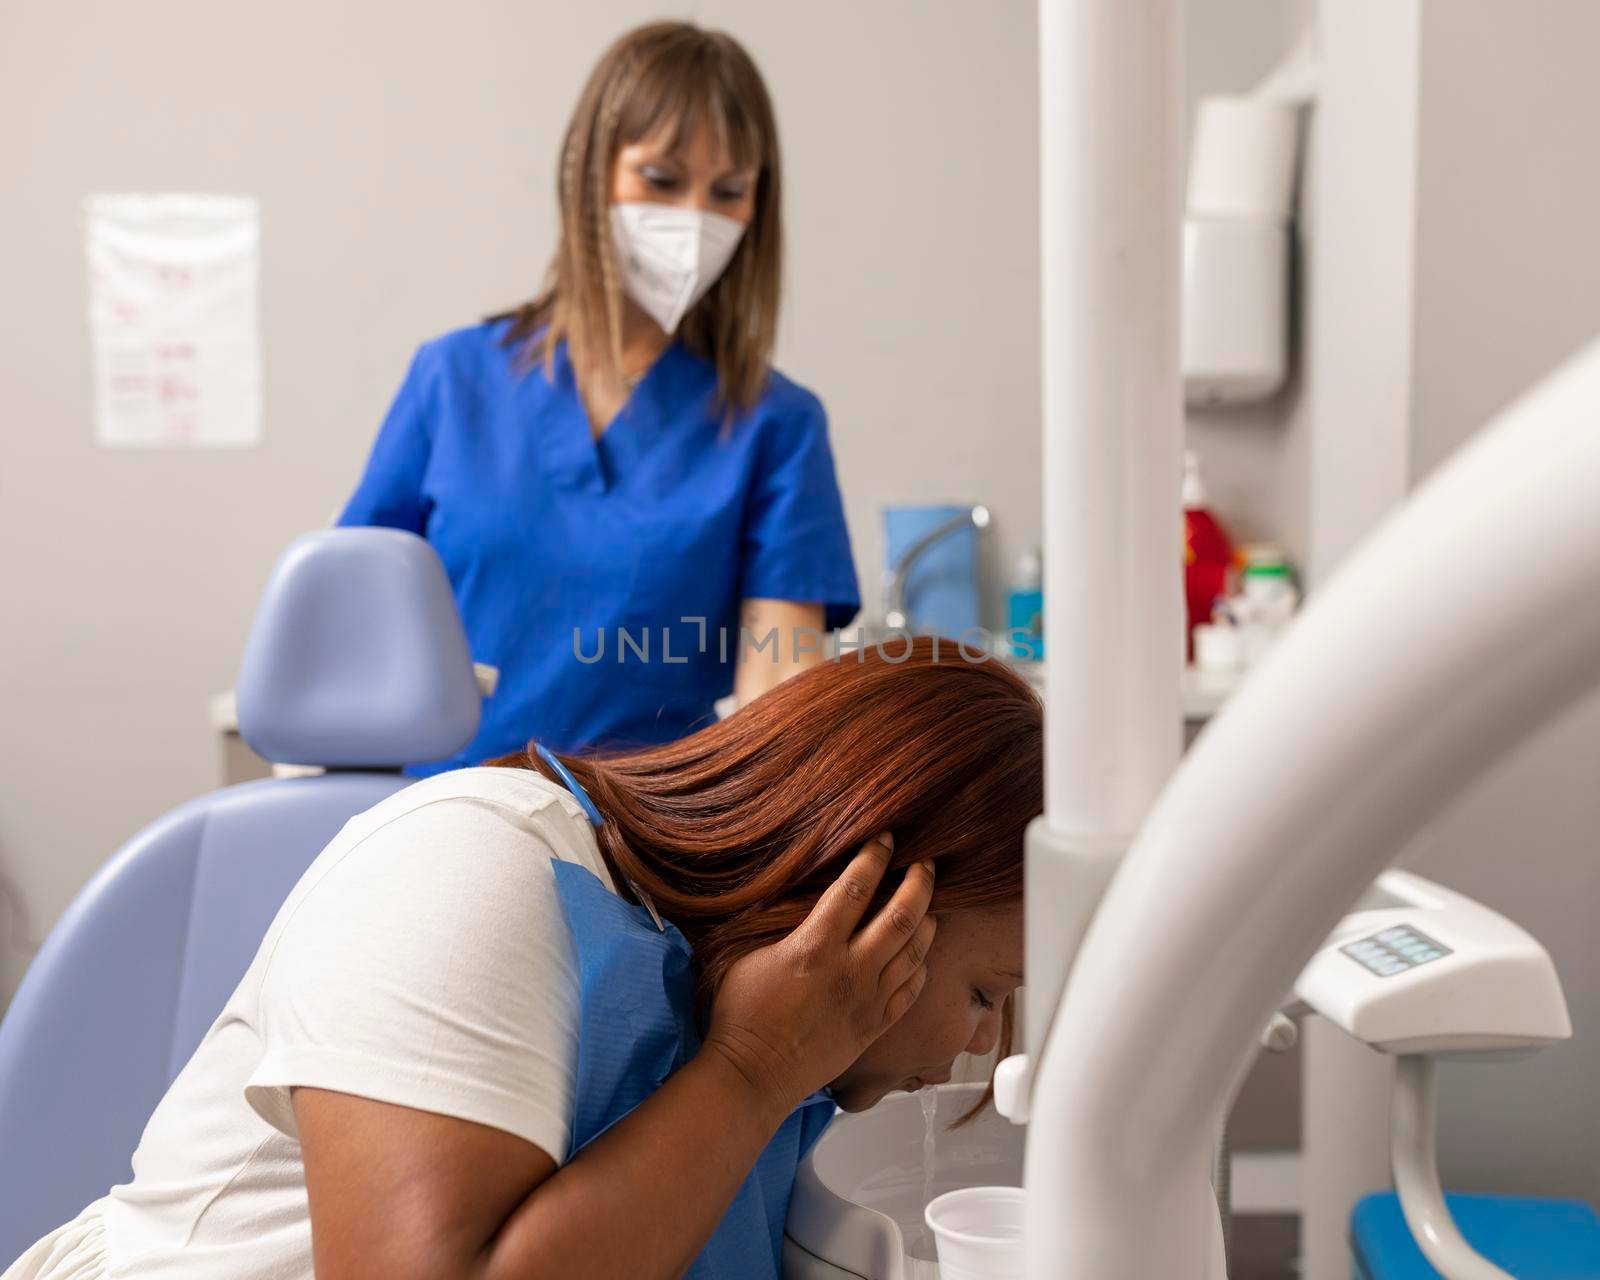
[357, 662]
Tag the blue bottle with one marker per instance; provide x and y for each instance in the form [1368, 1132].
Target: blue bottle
[1025, 606]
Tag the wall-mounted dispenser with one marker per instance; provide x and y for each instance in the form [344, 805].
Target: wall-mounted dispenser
[1236, 245]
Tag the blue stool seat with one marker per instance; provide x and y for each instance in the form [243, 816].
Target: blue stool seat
[1532, 1238]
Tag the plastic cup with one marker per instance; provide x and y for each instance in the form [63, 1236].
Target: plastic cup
[978, 1233]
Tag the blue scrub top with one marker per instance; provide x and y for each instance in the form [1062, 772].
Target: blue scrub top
[583, 568]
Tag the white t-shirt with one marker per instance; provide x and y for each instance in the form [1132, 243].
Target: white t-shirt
[423, 959]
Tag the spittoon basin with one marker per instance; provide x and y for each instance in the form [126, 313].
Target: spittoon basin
[858, 1197]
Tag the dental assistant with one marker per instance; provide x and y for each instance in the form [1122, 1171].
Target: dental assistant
[637, 513]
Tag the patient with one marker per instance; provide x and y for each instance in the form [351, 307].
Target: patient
[584, 1017]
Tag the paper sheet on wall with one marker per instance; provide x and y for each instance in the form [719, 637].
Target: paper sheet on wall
[173, 319]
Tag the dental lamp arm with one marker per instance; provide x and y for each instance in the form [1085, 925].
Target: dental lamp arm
[1356, 742]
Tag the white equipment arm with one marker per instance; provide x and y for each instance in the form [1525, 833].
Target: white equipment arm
[1353, 737]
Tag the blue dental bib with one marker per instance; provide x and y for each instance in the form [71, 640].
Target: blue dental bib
[636, 1026]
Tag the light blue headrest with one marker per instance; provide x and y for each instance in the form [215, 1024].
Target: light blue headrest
[357, 658]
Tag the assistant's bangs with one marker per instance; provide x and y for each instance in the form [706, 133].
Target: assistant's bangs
[682, 84]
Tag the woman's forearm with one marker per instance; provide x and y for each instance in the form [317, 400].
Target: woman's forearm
[778, 639]
[641, 1200]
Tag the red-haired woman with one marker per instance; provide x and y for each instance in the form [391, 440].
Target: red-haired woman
[583, 1017]
[617, 480]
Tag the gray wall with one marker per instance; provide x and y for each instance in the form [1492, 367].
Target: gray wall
[404, 161]
[1507, 284]
[404, 165]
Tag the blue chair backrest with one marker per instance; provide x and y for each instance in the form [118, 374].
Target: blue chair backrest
[357, 659]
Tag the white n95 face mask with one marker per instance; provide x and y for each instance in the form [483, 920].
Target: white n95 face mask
[670, 256]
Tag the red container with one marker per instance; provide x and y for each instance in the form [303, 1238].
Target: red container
[1207, 558]
[1207, 554]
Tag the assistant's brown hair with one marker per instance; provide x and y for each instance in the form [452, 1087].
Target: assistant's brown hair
[735, 831]
[672, 77]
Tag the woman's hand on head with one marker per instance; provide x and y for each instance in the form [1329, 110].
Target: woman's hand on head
[794, 1015]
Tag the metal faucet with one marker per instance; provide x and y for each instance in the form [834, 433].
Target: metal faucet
[894, 579]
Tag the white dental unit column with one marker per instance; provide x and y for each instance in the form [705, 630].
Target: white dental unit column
[1111, 167]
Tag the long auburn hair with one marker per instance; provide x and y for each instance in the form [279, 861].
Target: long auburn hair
[735, 831]
[670, 76]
